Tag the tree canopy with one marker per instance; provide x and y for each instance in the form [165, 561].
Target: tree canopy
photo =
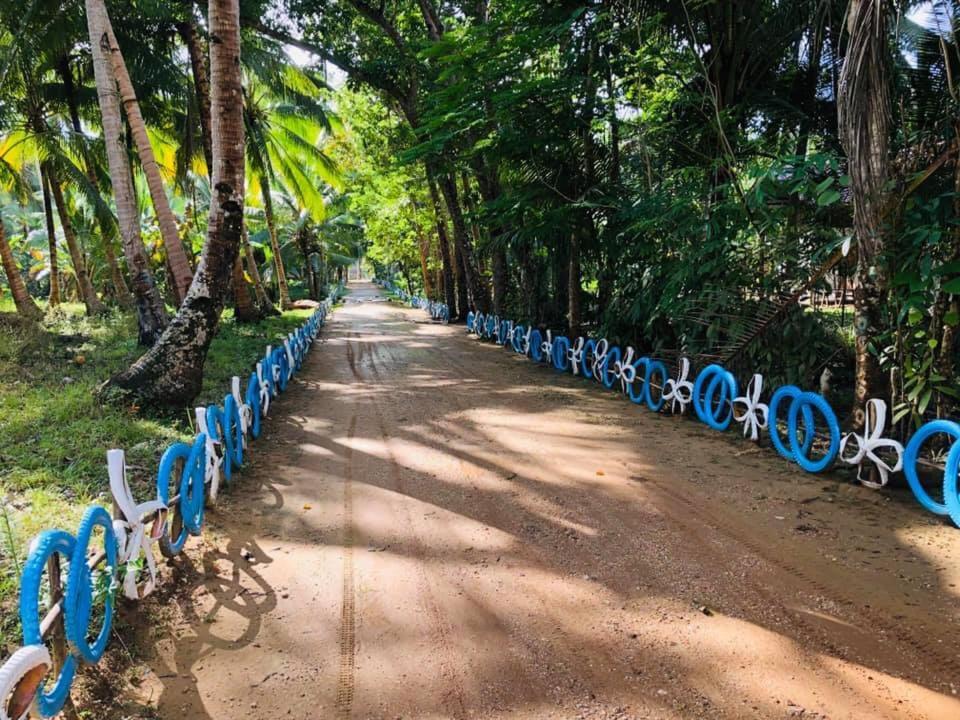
[769, 184]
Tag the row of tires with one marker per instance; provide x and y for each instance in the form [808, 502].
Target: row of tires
[716, 401]
[126, 562]
[437, 310]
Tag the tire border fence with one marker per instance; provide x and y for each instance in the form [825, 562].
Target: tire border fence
[717, 402]
[126, 560]
[436, 310]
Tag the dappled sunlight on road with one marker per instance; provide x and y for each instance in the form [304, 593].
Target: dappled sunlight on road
[448, 531]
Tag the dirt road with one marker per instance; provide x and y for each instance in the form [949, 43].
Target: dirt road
[435, 528]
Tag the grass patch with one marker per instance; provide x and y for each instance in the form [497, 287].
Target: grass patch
[54, 435]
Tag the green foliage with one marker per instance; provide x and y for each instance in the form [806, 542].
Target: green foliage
[387, 200]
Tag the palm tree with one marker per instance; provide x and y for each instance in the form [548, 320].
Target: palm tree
[285, 126]
[171, 372]
[36, 135]
[176, 257]
[92, 302]
[105, 219]
[54, 298]
[263, 300]
[21, 298]
[864, 122]
[151, 314]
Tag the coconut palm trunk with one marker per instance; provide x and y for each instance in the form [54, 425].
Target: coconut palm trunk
[171, 372]
[263, 300]
[54, 298]
[244, 310]
[87, 293]
[151, 314]
[201, 81]
[25, 305]
[443, 242]
[282, 286]
[176, 256]
[104, 219]
[864, 122]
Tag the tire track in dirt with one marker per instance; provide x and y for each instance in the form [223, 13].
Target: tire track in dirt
[533, 641]
[438, 621]
[347, 634]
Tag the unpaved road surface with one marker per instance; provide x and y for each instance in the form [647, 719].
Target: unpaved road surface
[434, 528]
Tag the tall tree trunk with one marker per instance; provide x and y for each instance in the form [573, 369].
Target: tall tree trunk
[151, 313]
[176, 257]
[807, 80]
[303, 242]
[201, 83]
[282, 287]
[573, 285]
[263, 300]
[54, 298]
[864, 121]
[243, 308]
[423, 245]
[489, 190]
[124, 298]
[488, 182]
[501, 276]
[449, 291]
[528, 280]
[477, 290]
[463, 300]
[614, 123]
[475, 229]
[25, 305]
[171, 372]
[104, 219]
[87, 293]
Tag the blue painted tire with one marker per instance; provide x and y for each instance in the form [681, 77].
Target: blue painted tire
[252, 399]
[951, 493]
[233, 432]
[190, 486]
[791, 392]
[284, 364]
[728, 391]
[910, 455]
[504, 328]
[536, 351]
[491, 326]
[470, 319]
[78, 599]
[195, 469]
[561, 361]
[637, 391]
[517, 342]
[266, 367]
[48, 543]
[653, 368]
[607, 373]
[178, 451]
[586, 362]
[216, 428]
[807, 401]
[699, 386]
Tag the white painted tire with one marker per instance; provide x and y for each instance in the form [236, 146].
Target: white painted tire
[15, 669]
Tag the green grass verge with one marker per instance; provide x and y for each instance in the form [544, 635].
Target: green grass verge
[54, 434]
